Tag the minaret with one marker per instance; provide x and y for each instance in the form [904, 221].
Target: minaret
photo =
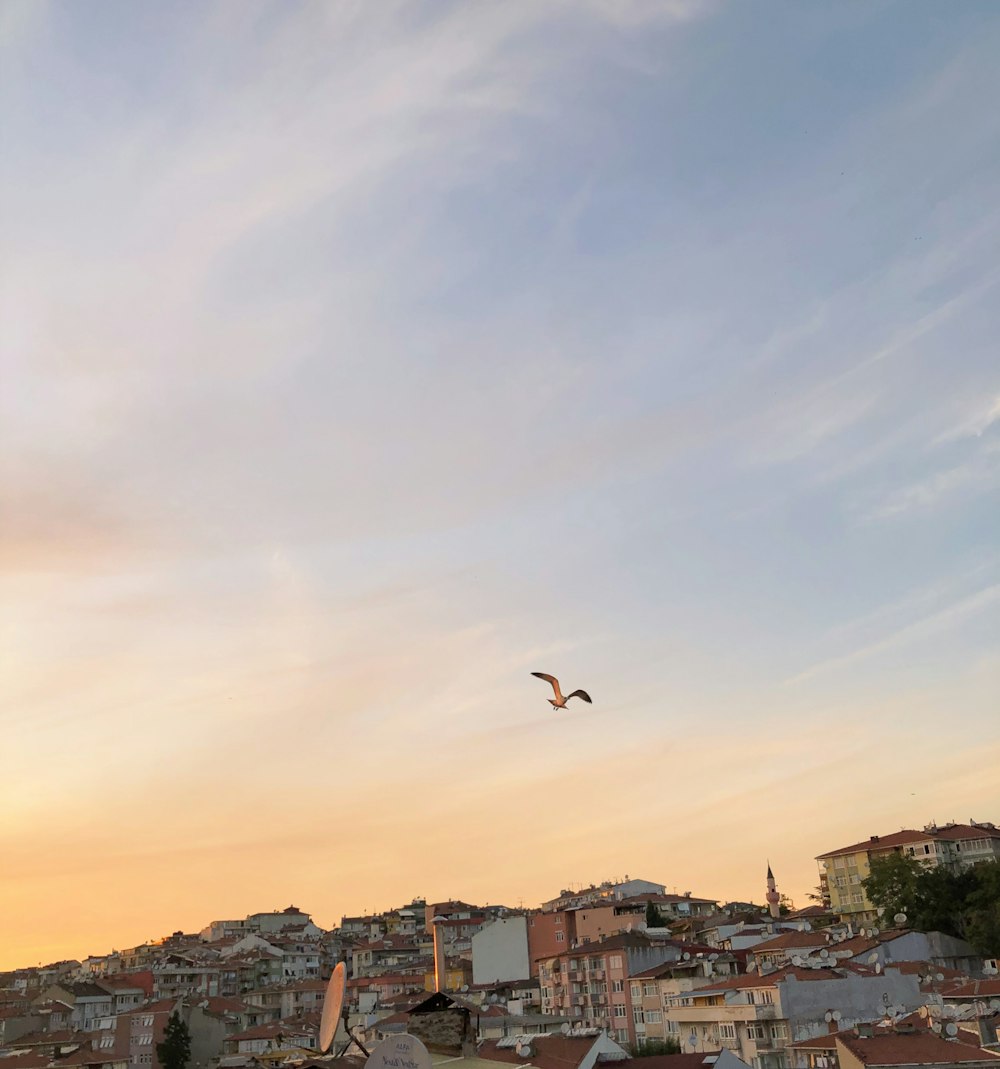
[772, 896]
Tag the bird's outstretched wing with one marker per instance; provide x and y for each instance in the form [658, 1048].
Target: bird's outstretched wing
[580, 694]
[549, 679]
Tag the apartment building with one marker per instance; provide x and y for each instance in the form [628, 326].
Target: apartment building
[954, 846]
[591, 983]
[757, 1015]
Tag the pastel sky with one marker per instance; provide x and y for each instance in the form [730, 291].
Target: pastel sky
[360, 358]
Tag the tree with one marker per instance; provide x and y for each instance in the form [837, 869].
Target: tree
[654, 1047]
[175, 1050]
[654, 918]
[965, 904]
[983, 902]
[892, 884]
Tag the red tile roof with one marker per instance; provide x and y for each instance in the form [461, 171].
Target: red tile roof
[550, 1052]
[976, 989]
[880, 842]
[788, 940]
[913, 1048]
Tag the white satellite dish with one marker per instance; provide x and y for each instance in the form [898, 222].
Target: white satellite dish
[824, 953]
[900, 918]
[828, 1016]
[796, 960]
[874, 932]
[836, 1015]
[995, 1003]
[951, 1029]
[878, 966]
[398, 1050]
[333, 1006]
[872, 958]
[566, 1029]
[940, 976]
[686, 956]
[692, 1041]
[936, 1026]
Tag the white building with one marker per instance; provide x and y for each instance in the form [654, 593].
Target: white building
[500, 951]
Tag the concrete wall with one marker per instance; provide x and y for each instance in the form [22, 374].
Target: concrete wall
[500, 951]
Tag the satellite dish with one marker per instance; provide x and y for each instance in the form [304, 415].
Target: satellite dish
[692, 1041]
[872, 958]
[751, 966]
[874, 932]
[936, 1026]
[408, 1049]
[828, 1016]
[465, 987]
[796, 960]
[951, 1029]
[878, 967]
[566, 1029]
[847, 953]
[995, 1003]
[940, 976]
[333, 1006]
[686, 955]
[836, 1015]
[923, 1011]
[824, 953]
[900, 918]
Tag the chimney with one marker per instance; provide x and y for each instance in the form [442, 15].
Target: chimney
[440, 972]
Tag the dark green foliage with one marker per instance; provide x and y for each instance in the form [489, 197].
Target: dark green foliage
[654, 919]
[964, 904]
[175, 1050]
[654, 1047]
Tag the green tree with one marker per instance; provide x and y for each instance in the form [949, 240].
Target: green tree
[654, 918]
[983, 903]
[653, 1047]
[892, 883]
[175, 1050]
[965, 904]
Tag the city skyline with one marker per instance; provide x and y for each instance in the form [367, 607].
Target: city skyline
[362, 359]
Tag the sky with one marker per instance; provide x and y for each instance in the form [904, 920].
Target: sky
[361, 358]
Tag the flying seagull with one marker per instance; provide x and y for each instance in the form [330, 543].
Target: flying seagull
[559, 702]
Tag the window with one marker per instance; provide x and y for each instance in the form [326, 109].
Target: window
[622, 1035]
[673, 1027]
[654, 1017]
[727, 1030]
[560, 937]
[636, 990]
[755, 1030]
[618, 985]
[619, 1009]
[649, 989]
[637, 1015]
[615, 961]
[779, 1030]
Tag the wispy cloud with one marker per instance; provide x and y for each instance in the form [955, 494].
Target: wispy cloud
[919, 630]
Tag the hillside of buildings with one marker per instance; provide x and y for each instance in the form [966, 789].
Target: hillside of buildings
[617, 971]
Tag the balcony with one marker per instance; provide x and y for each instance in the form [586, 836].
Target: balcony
[597, 974]
[738, 1011]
